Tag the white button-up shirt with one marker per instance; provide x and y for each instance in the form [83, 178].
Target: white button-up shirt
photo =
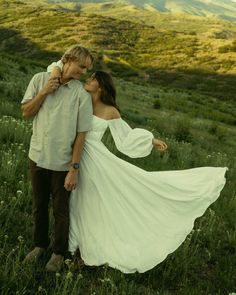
[64, 112]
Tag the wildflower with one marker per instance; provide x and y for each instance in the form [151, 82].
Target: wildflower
[107, 279]
[69, 276]
[41, 289]
[58, 275]
[212, 212]
[67, 262]
[19, 192]
[209, 254]
[20, 239]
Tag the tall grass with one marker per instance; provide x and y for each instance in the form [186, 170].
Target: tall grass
[203, 264]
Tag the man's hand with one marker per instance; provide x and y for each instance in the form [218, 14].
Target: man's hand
[71, 180]
[30, 108]
[159, 144]
[51, 85]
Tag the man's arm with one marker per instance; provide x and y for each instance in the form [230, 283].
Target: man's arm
[30, 108]
[72, 175]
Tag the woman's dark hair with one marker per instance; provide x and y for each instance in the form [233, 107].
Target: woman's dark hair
[108, 95]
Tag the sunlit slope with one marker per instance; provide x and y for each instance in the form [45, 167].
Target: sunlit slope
[180, 52]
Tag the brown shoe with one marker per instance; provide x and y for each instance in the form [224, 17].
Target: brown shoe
[34, 255]
[55, 263]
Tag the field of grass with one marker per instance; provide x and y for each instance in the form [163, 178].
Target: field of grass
[196, 135]
[175, 76]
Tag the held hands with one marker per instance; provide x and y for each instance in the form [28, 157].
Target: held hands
[54, 81]
[71, 180]
[51, 85]
[159, 144]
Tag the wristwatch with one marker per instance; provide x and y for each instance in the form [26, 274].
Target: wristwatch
[75, 165]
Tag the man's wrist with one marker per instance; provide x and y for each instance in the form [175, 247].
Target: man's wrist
[75, 165]
[43, 93]
[74, 171]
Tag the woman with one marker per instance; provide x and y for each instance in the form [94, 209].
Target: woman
[120, 214]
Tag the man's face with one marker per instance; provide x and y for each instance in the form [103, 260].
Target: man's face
[75, 69]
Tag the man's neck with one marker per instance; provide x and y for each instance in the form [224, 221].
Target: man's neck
[65, 80]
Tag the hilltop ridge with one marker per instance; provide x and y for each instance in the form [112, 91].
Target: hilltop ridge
[223, 9]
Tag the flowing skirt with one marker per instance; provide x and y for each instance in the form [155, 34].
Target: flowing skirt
[132, 219]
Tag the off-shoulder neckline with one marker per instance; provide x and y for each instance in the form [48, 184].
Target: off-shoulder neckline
[108, 120]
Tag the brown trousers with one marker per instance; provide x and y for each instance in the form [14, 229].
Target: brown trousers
[45, 183]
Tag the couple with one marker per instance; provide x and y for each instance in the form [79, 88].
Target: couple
[112, 211]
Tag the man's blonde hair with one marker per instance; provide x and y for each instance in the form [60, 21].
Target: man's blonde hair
[77, 53]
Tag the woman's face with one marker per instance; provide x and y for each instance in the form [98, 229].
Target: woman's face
[92, 85]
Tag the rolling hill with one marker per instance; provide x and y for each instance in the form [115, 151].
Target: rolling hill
[224, 9]
[188, 52]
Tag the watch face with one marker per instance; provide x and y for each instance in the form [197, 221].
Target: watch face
[75, 165]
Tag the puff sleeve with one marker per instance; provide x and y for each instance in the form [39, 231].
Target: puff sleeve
[135, 143]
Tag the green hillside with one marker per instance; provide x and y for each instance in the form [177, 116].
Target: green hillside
[180, 52]
[224, 9]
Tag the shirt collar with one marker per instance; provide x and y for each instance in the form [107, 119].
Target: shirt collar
[71, 83]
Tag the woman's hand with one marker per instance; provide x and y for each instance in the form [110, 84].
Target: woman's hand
[159, 144]
[71, 180]
[56, 74]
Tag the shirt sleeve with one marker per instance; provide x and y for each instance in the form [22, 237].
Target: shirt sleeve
[59, 64]
[31, 90]
[135, 143]
[85, 112]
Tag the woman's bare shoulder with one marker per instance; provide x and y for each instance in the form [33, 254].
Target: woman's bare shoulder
[113, 113]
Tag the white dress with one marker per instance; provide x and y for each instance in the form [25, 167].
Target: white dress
[127, 217]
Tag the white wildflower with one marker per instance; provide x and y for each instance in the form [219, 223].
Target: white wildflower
[69, 276]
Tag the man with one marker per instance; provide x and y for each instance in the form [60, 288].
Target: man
[62, 115]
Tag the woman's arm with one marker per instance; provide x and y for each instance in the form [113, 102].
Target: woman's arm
[55, 70]
[56, 74]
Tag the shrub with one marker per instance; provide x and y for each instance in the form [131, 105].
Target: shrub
[157, 104]
[134, 117]
[182, 131]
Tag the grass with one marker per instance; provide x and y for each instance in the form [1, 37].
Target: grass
[204, 264]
